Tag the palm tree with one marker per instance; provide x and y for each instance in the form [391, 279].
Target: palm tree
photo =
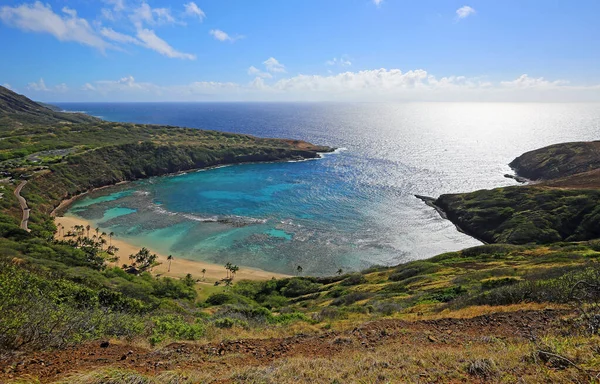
[299, 270]
[97, 230]
[170, 258]
[203, 273]
[340, 271]
[88, 227]
[110, 236]
[234, 270]
[228, 268]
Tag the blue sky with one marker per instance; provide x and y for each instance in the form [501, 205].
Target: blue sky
[368, 50]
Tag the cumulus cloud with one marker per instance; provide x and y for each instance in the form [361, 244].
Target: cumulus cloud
[191, 9]
[222, 36]
[40, 86]
[149, 40]
[40, 18]
[368, 85]
[253, 71]
[273, 65]
[524, 81]
[464, 12]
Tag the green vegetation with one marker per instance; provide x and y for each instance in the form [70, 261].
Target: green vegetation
[56, 293]
[559, 160]
[528, 214]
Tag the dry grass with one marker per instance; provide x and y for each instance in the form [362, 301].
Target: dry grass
[482, 361]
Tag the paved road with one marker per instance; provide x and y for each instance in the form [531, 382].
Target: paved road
[24, 206]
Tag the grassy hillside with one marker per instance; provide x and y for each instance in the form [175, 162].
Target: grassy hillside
[499, 313]
[559, 160]
[562, 206]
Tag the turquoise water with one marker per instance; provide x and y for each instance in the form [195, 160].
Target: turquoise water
[348, 210]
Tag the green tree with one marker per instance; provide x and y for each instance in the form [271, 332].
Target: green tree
[340, 271]
[143, 260]
[189, 280]
[203, 273]
[299, 270]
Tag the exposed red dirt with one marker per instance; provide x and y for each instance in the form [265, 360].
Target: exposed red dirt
[52, 365]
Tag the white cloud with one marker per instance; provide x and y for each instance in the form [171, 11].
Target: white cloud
[464, 12]
[118, 5]
[377, 2]
[343, 61]
[8, 86]
[223, 36]
[253, 71]
[39, 86]
[40, 18]
[144, 13]
[62, 87]
[524, 81]
[191, 9]
[273, 65]
[368, 85]
[88, 87]
[164, 15]
[118, 37]
[149, 40]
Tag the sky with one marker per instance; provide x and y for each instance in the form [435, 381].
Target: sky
[301, 50]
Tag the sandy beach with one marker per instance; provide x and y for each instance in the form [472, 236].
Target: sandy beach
[179, 267]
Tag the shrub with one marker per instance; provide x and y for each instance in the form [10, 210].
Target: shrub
[175, 327]
[495, 283]
[351, 298]
[298, 287]
[444, 295]
[227, 322]
[354, 279]
[412, 269]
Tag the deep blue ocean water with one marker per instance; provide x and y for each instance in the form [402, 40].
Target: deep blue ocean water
[348, 210]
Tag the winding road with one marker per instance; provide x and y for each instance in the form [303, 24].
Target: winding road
[23, 204]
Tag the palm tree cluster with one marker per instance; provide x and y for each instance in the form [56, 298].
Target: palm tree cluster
[231, 270]
[143, 260]
[94, 246]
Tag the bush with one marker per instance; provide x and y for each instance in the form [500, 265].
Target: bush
[495, 283]
[227, 322]
[444, 295]
[354, 279]
[175, 327]
[351, 298]
[298, 287]
[412, 269]
[227, 298]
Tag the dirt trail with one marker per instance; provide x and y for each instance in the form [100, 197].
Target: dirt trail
[23, 204]
[50, 366]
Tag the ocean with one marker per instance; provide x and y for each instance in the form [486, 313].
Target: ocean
[350, 209]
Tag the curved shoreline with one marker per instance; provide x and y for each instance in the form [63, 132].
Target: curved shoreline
[214, 272]
[65, 203]
[179, 266]
[430, 201]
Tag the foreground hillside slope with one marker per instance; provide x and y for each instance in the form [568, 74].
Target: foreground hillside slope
[70, 314]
